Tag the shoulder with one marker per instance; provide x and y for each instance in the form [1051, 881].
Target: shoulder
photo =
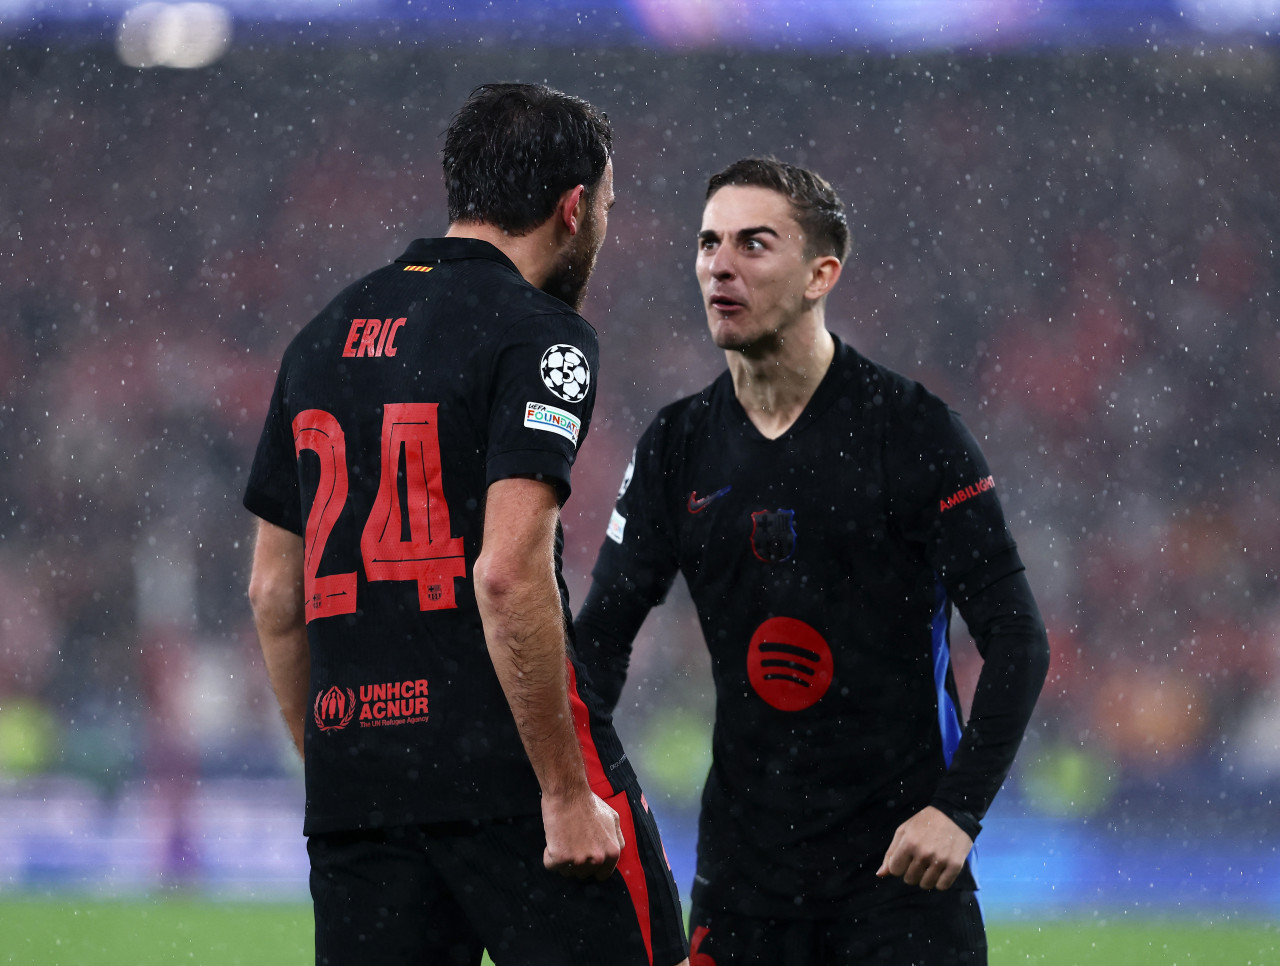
[381, 286]
[520, 312]
[320, 336]
[900, 397]
[685, 418]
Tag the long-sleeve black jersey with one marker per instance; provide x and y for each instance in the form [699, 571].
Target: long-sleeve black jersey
[824, 566]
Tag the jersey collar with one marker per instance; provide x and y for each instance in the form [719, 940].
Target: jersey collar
[827, 392]
[423, 251]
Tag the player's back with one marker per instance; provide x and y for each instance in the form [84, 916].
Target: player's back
[406, 396]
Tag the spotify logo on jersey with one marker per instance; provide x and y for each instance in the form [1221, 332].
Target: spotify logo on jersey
[789, 664]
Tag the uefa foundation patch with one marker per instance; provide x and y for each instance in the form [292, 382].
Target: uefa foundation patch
[552, 420]
[617, 527]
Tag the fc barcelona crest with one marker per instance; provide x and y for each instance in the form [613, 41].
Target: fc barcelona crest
[773, 535]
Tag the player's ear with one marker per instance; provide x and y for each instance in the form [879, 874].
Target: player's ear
[571, 209]
[824, 272]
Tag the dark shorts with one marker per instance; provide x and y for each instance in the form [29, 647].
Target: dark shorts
[928, 929]
[428, 894]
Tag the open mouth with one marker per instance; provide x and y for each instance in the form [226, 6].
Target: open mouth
[724, 303]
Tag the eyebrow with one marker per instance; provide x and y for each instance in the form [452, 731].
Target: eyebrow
[708, 234]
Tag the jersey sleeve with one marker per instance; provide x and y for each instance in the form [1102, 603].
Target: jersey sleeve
[640, 553]
[946, 503]
[1010, 633]
[633, 571]
[543, 393]
[943, 495]
[272, 492]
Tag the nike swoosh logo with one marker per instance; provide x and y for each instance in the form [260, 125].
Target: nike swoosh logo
[697, 504]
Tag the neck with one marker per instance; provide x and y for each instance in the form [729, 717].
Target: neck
[775, 385]
[534, 255]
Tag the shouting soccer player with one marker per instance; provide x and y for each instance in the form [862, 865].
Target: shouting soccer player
[827, 513]
[463, 792]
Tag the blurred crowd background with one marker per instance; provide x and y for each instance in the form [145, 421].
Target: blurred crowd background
[1075, 248]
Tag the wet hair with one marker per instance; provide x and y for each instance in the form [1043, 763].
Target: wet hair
[817, 208]
[512, 150]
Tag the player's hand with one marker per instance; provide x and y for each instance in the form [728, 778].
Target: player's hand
[928, 850]
[584, 836]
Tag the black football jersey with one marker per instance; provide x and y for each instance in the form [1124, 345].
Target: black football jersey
[822, 565]
[393, 411]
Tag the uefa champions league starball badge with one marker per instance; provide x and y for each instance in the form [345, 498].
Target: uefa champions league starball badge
[565, 372]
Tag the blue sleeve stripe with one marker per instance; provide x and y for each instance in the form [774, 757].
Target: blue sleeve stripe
[948, 716]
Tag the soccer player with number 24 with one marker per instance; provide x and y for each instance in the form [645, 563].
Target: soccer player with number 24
[464, 792]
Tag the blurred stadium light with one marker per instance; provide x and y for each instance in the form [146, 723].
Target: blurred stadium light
[189, 34]
[174, 35]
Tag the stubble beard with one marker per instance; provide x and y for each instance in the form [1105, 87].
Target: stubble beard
[568, 280]
[747, 343]
[727, 340]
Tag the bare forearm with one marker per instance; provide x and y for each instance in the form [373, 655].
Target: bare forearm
[276, 595]
[288, 663]
[524, 631]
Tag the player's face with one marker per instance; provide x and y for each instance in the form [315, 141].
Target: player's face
[569, 280]
[751, 266]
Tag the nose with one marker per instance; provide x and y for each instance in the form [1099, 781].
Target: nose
[720, 265]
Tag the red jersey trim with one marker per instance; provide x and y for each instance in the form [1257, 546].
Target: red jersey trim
[630, 866]
[632, 870]
[596, 776]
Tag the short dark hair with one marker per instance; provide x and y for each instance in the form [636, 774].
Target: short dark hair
[512, 150]
[818, 209]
